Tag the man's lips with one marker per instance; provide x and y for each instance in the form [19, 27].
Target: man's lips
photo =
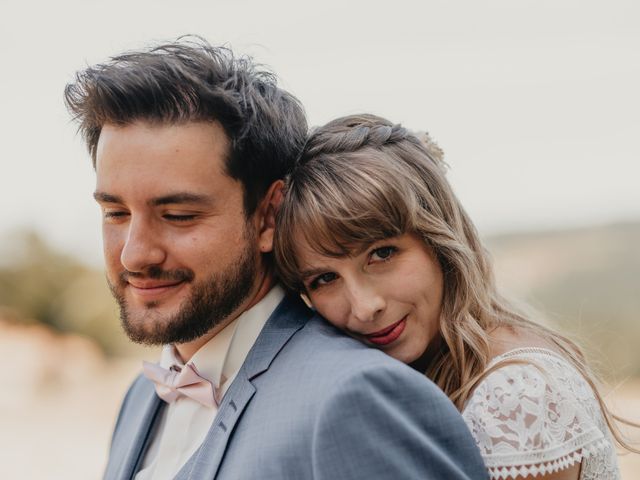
[153, 288]
[388, 334]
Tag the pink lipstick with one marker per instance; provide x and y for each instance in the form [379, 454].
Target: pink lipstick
[387, 335]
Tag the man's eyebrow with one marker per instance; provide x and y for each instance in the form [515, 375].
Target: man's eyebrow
[103, 197]
[173, 198]
[181, 197]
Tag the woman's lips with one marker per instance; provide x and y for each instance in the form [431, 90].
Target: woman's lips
[387, 335]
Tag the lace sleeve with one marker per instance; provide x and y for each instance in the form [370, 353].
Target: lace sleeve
[536, 418]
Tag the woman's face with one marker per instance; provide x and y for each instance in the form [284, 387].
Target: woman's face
[389, 296]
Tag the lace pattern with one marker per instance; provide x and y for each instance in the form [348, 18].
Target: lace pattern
[538, 417]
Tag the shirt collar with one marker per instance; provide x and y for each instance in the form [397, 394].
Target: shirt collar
[221, 357]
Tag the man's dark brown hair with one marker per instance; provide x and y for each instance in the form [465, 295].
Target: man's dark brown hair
[189, 80]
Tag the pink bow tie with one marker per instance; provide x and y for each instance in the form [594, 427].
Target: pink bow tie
[172, 383]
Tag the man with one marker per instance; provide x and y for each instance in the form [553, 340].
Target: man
[190, 146]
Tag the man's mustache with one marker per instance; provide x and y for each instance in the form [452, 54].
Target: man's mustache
[157, 273]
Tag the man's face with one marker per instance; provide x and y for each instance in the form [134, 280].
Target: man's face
[180, 255]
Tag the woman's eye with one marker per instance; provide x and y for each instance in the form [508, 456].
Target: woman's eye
[383, 253]
[322, 279]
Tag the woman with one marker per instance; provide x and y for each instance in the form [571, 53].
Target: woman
[372, 235]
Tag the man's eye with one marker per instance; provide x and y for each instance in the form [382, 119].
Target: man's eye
[114, 214]
[178, 218]
[383, 253]
[322, 279]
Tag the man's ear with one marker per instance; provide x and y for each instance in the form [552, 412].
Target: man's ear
[267, 215]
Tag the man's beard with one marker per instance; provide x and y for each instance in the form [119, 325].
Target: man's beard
[210, 303]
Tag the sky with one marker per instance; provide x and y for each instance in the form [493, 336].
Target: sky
[535, 103]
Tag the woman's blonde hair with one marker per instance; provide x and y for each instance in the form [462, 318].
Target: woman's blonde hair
[361, 179]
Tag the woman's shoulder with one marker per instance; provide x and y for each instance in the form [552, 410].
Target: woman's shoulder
[525, 364]
[539, 375]
[535, 413]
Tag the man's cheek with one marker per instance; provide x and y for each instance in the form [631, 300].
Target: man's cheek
[112, 247]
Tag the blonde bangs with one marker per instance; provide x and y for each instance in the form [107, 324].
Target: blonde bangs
[339, 207]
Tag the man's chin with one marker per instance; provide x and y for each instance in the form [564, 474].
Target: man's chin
[152, 325]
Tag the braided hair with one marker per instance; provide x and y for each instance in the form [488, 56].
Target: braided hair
[349, 134]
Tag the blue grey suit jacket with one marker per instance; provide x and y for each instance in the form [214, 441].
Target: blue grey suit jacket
[311, 403]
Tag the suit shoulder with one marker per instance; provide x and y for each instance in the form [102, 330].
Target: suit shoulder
[329, 353]
[322, 339]
[365, 401]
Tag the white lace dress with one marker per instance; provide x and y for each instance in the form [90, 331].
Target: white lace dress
[539, 417]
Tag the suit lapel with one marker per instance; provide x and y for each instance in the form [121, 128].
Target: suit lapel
[140, 422]
[205, 462]
[286, 320]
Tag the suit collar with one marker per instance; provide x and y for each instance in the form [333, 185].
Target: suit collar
[289, 317]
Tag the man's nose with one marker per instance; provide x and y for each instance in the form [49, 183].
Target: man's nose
[142, 247]
[367, 302]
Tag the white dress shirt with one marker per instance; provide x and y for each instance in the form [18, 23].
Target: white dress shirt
[184, 423]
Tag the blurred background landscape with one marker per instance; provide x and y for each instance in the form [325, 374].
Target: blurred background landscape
[535, 103]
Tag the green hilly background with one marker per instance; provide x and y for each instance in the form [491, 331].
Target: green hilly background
[584, 281]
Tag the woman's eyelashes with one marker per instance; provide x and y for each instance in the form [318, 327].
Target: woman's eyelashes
[382, 254]
[320, 280]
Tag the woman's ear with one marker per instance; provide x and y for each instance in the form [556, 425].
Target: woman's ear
[267, 215]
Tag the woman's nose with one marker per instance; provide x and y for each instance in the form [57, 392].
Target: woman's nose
[367, 302]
